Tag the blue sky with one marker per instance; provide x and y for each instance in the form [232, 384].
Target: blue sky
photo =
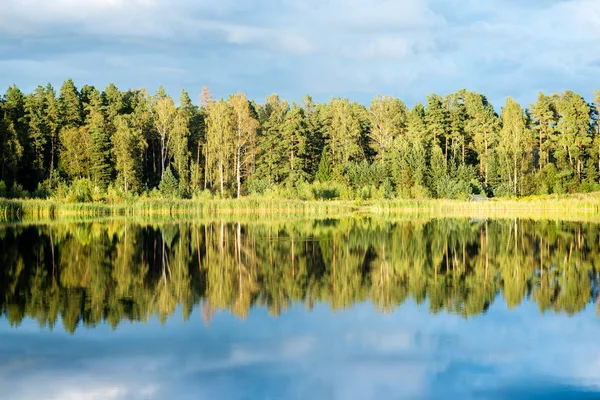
[353, 48]
[351, 354]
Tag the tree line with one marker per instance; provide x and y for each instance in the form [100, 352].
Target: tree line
[86, 144]
[87, 273]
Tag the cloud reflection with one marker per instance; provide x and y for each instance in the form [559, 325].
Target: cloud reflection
[355, 354]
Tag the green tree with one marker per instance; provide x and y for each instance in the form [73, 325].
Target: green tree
[244, 136]
[180, 138]
[76, 144]
[99, 129]
[273, 156]
[69, 105]
[481, 125]
[220, 143]
[545, 117]
[11, 150]
[512, 146]
[295, 143]
[128, 149]
[574, 129]
[387, 117]
[165, 113]
[344, 133]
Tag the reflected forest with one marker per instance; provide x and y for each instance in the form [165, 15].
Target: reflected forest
[84, 273]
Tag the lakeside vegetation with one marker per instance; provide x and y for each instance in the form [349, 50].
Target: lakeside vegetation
[85, 273]
[569, 207]
[112, 146]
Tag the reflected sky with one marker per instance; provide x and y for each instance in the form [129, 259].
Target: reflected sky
[356, 353]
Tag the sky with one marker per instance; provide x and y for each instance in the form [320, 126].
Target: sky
[325, 48]
[351, 354]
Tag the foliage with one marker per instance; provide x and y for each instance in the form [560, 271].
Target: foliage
[169, 185]
[448, 147]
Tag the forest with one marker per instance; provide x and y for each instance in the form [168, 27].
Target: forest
[91, 145]
[87, 273]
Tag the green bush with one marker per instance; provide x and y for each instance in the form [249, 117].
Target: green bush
[169, 185]
[42, 191]
[202, 194]
[81, 191]
[419, 192]
[504, 190]
[17, 192]
[325, 191]
[3, 189]
[258, 186]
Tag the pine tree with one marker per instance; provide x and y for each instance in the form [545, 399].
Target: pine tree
[16, 126]
[52, 122]
[11, 150]
[273, 156]
[314, 133]
[169, 186]
[69, 105]
[100, 136]
[295, 144]
[574, 129]
[344, 134]
[482, 125]
[437, 119]
[545, 118]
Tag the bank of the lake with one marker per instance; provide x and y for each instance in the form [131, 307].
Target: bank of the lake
[586, 206]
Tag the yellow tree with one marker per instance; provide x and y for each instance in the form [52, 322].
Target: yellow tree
[165, 113]
[388, 118]
[245, 127]
[219, 142]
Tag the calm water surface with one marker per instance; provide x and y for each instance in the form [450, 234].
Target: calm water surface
[337, 309]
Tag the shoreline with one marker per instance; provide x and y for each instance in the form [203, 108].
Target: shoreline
[585, 206]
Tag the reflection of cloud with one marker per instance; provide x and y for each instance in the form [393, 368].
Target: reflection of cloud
[355, 353]
[79, 387]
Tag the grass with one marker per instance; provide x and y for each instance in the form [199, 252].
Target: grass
[552, 207]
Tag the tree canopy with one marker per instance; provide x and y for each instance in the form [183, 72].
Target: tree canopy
[451, 146]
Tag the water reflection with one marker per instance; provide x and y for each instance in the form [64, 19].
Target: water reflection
[90, 272]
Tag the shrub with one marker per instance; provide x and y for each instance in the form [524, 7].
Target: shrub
[169, 185]
[419, 192]
[3, 189]
[202, 194]
[325, 191]
[258, 186]
[80, 191]
[18, 192]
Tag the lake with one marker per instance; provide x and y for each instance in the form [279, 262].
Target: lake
[353, 308]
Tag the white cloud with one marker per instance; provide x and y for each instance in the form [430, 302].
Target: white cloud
[330, 47]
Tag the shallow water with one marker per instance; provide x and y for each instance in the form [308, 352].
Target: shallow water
[354, 308]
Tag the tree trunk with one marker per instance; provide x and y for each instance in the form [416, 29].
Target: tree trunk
[221, 175]
[205, 171]
[238, 173]
[487, 157]
[197, 176]
[541, 153]
[515, 176]
[163, 154]
[51, 162]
